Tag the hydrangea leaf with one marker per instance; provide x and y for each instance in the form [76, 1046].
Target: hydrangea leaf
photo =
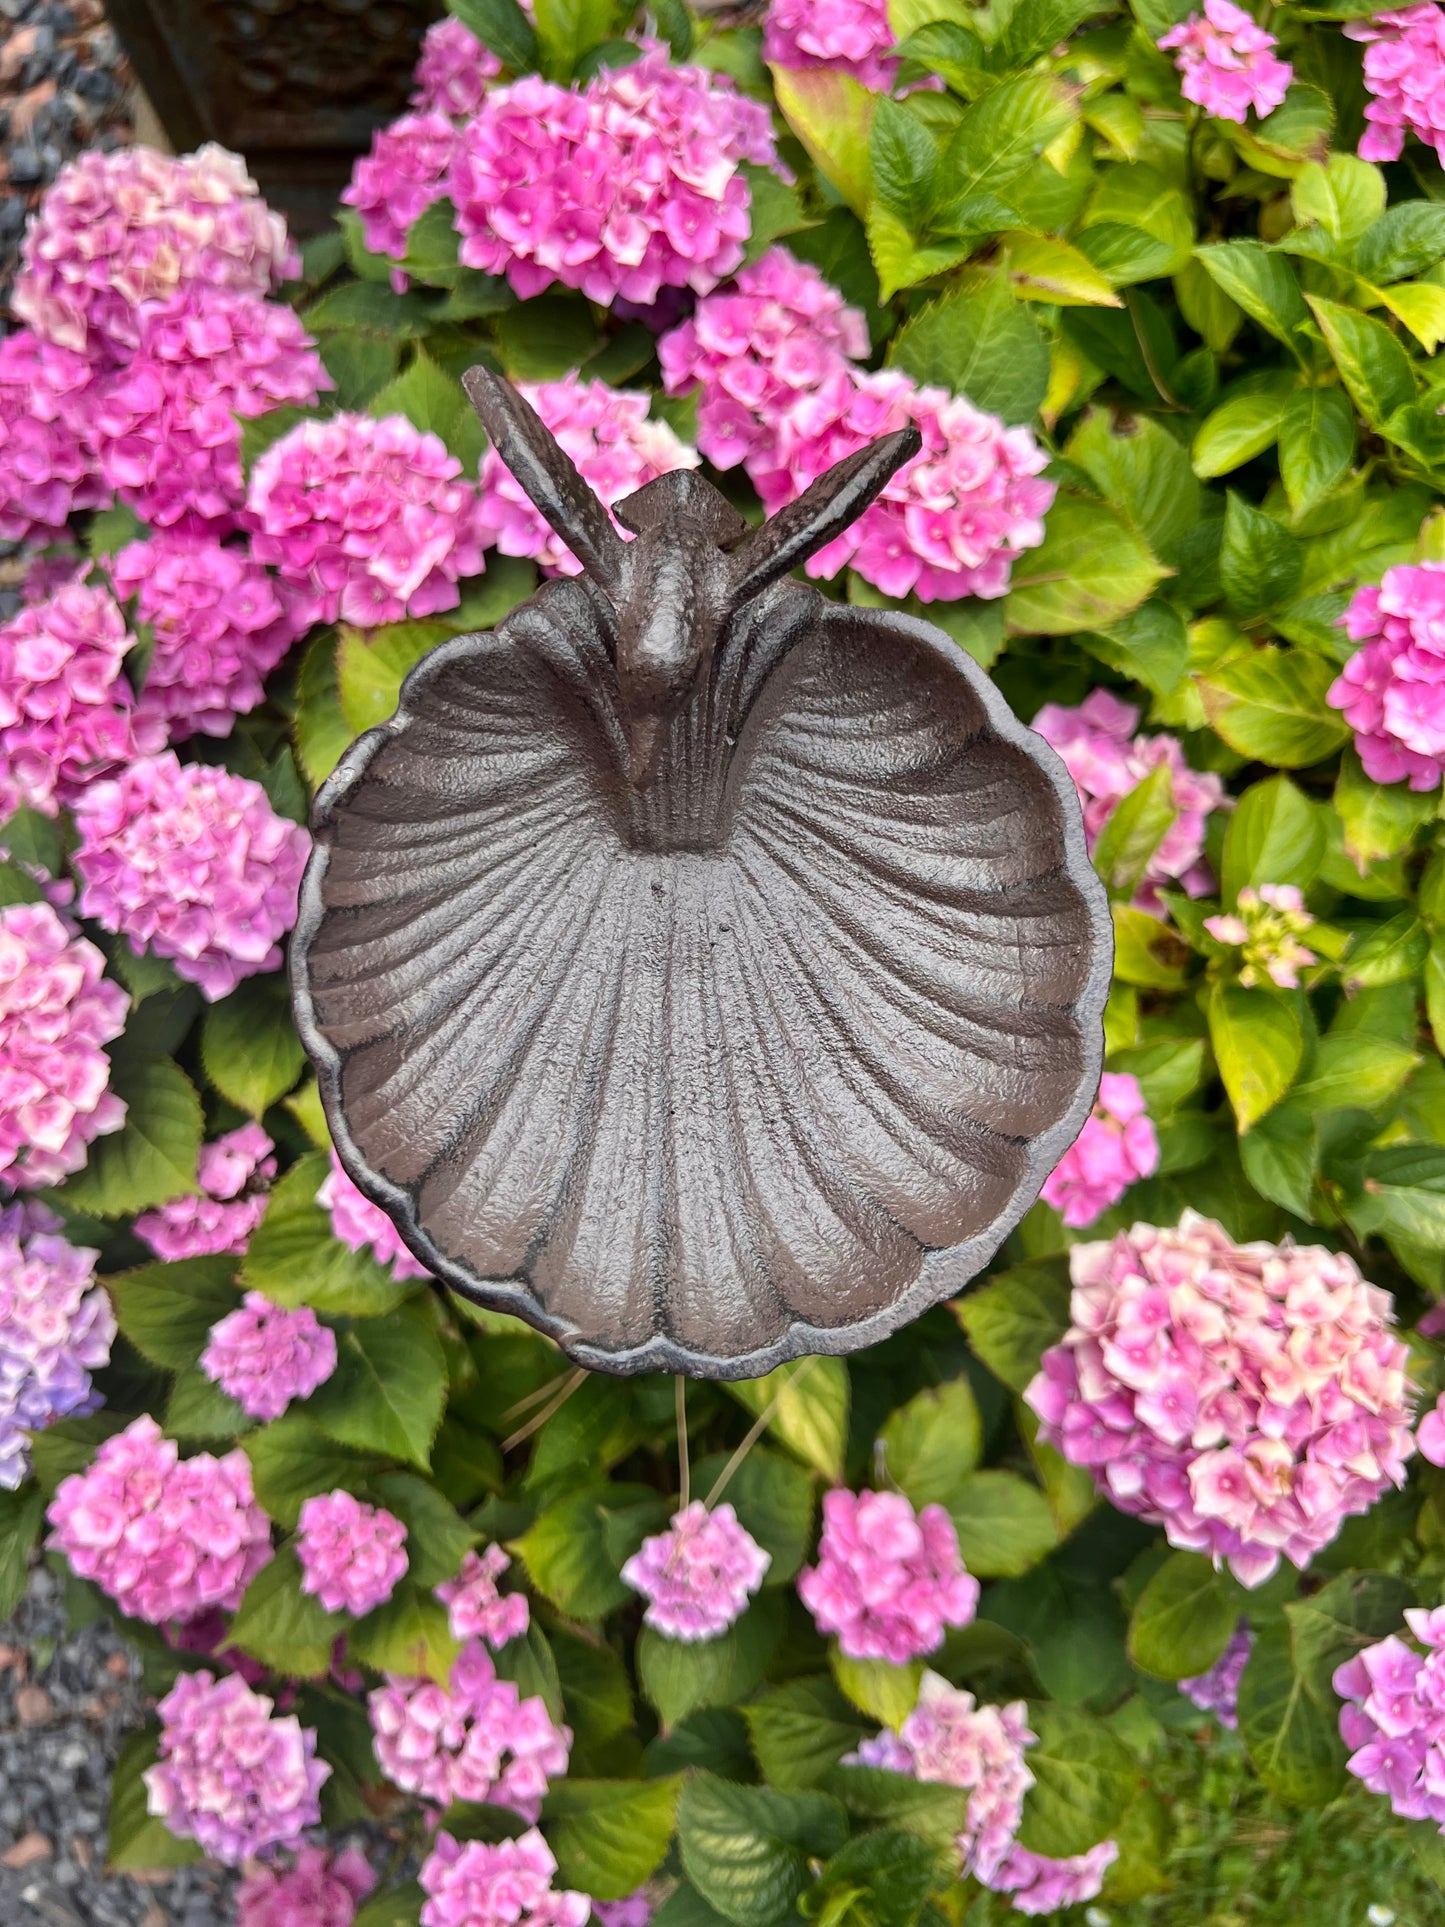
[1259, 1046]
[167, 1310]
[1083, 1779]
[1349, 1613]
[884, 1691]
[801, 1731]
[609, 1836]
[294, 1259]
[680, 1676]
[284, 1627]
[1004, 1524]
[1184, 1617]
[249, 1047]
[930, 1445]
[152, 1158]
[746, 1849]
[408, 1635]
[1090, 570]
[1292, 1741]
[1013, 1319]
[387, 1391]
[773, 1498]
[807, 1406]
[22, 1515]
[137, 1841]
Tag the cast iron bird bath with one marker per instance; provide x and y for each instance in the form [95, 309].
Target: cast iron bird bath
[704, 971]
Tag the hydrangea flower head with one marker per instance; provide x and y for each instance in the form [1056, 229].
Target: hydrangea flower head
[231, 1776]
[888, 1581]
[264, 1356]
[56, 1328]
[1228, 64]
[1393, 1719]
[47, 467]
[318, 1891]
[503, 1884]
[228, 1203]
[1107, 760]
[475, 1738]
[1217, 1691]
[616, 448]
[1267, 925]
[1392, 690]
[698, 1576]
[1405, 74]
[57, 1011]
[454, 71]
[364, 1226]
[351, 1553]
[366, 519]
[1116, 1148]
[635, 1910]
[1248, 1398]
[851, 36]
[475, 1607]
[192, 863]
[404, 173]
[1430, 1432]
[164, 1537]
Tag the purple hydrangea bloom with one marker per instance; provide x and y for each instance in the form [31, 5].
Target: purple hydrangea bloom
[476, 1609]
[56, 1328]
[1217, 1691]
[698, 1576]
[889, 1581]
[318, 1891]
[503, 1884]
[351, 1553]
[265, 1356]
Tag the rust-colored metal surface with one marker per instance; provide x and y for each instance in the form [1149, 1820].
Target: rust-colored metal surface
[704, 971]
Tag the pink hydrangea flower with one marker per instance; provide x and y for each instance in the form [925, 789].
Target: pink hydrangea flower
[1405, 74]
[608, 435]
[318, 1891]
[454, 71]
[220, 624]
[122, 230]
[1228, 63]
[851, 36]
[366, 519]
[1393, 1719]
[1038, 1884]
[951, 521]
[404, 173]
[1430, 1432]
[888, 1581]
[231, 1776]
[636, 1910]
[1248, 1398]
[192, 863]
[228, 1203]
[1107, 760]
[67, 713]
[475, 1607]
[475, 1738]
[503, 1884]
[624, 189]
[698, 1576]
[47, 468]
[56, 1328]
[56, 1013]
[164, 1537]
[1267, 925]
[1217, 1691]
[1116, 1148]
[364, 1226]
[753, 349]
[1392, 690]
[264, 1355]
[351, 1554]
[165, 429]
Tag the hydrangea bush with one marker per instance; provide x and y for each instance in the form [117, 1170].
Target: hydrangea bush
[886, 1640]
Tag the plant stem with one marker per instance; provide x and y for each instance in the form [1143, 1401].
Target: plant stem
[535, 1423]
[684, 1464]
[755, 1431]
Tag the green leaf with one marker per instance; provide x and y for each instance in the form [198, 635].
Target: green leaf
[502, 26]
[1280, 1155]
[528, 1662]
[977, 341]
[568, 29]
[388, 1389]
[1041, 268]
[284, 1627]
[1292, 1741]
[1238, 430]
[1090, 570]
[1146, 951]
[884, 1691]
[595, 1687]
[431, 401]
[1137, 226]
[1271, 705]
[545, 338]
[1404, 242]
[1275, 835]
[883, 1878]
[931, 1444]
[371, 665]
[800, 1731]
[1183, 1618]
[1002, 134]
[69, 1446]
[22, 1515]
[1260, 563]
[1014, 1318]
[322, 732]
[1083, 1779]
[904, 155]
[1136, 826]
[295, 1260]
[408, 1635]
[773, 1498]
[1258, 1045]
[1361, 1072]
[1262, 283]
[1150, 644]
[1033, 27]
[679, 1676]
[1004, 1524]
[1344, 195]
[152, 1158]
[933, 1812]
[609, 1836]
[746, 1849]
[832, 115]
[809, 1410]
[1390, 953]
[1380, 819]
[432, 247]
[1139, 467]
[167, 1310]
[575, 1550]
[249, 1047]
[397, 1906]
[1340, 1620]
[1316, 446]
[1295, 134]
[137, 1842]
[438, 1538]
[1372, 364]
[775, 209]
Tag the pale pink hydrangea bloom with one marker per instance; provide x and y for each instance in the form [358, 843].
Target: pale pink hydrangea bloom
[475, 1607]
[1228, 63]
[503, 1884]
[624, 189]
[67, 712]
[192, 863]
[1248, 1398]
[698, 1576]
[264, 1356]
[852, 36]
[220, 624]
[165, 429]
[56, 1013]
[351, 1553]
[364, 1226]
[47, 468]
[1392, 690]
[228, 1203]
[318, 1891]
[888, 1581]
[231, 1776]
[56, 1328]
[951, 1740]
[1107, 760]
[1393, 1719]
[1116, 1148]
[636, 1910]
[399, 179]
[366, 519]
[454, 71]
[119, 231]
[1217, 1691]
[1267, 925]
[475, 1738]
[164, 1537]
[753, 348]
[616, 448]
[951, 521]
[1430, 1432]
[1405, 73]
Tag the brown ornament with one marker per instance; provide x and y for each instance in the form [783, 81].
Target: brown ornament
[703, 971]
